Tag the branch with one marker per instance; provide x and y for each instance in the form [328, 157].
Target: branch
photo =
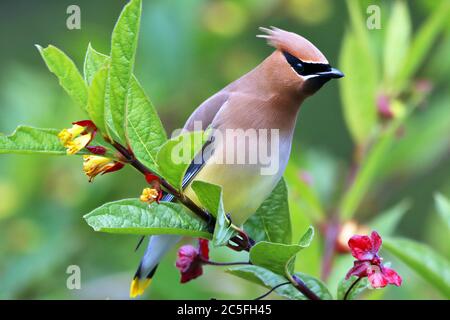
[243, 242]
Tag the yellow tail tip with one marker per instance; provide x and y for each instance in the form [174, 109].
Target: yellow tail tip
[138, 286]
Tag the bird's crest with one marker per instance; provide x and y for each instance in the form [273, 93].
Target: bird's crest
[294, 44]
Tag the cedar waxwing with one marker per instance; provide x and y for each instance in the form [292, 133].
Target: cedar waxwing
[268, 97]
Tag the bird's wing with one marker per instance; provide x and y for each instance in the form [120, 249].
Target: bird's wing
[206, 112]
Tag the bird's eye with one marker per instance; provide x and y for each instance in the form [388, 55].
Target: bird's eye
[299, 68]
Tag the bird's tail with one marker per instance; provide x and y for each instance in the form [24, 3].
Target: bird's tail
[157, 248]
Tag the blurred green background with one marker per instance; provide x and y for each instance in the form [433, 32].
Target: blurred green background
[188, 50]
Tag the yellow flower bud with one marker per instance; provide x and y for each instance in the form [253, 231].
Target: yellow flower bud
[149, 195]
[69, 134]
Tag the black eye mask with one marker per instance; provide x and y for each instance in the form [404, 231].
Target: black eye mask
[305, 68]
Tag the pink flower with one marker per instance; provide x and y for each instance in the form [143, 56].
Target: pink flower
[190, 260]
[369, 263]
[384, 107]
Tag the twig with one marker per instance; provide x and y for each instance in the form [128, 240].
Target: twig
[303, 288]
[272, 290]
[299, 284]
[351, 288]
[331, 231]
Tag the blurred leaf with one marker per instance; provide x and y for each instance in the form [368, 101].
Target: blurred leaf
[398, 36]
[96, 100]
[272, 222]
[176, 155]
[424, 260]
[269, 280]
[417, 150]
[210, 196]
[66, 71]
[42, 261]
[276, 256]
[93, 62]
[345, 285]
[27, 140]
[144, 129]
[443, 207]
[368, 171]
[123, 50]
[358, 100]
[359, 26]
[422, 43]
[131, 216]
[305, 195]
[386, 222]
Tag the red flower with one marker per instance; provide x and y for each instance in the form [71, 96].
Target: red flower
[190, 260]
[369, 263]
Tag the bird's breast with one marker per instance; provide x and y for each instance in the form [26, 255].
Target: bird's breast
[247, 164]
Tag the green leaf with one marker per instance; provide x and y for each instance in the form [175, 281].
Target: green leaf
[131, 216]
[386, 222]
[123, 50]
[276, 256]
[176, 155]
[145, 131]
[422, 43]
[67, 73]
[272, 221]
[369, 169]
[358, 88]
[210, 196]
[269, 280]
[417, 151]
[358, 288]
[398, 36]
[443, 207]
[96, 100]
[26, 140]
[93, 62]
[424, 260]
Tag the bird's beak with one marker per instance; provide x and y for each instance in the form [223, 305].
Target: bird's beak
[332, 74]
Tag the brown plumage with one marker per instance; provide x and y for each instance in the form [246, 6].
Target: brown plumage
[294, 44]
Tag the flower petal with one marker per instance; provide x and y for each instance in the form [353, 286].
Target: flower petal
[204, 248]
[376, 277]
[359, 269]
[361, 247]
[392, 276]
[376, 242]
